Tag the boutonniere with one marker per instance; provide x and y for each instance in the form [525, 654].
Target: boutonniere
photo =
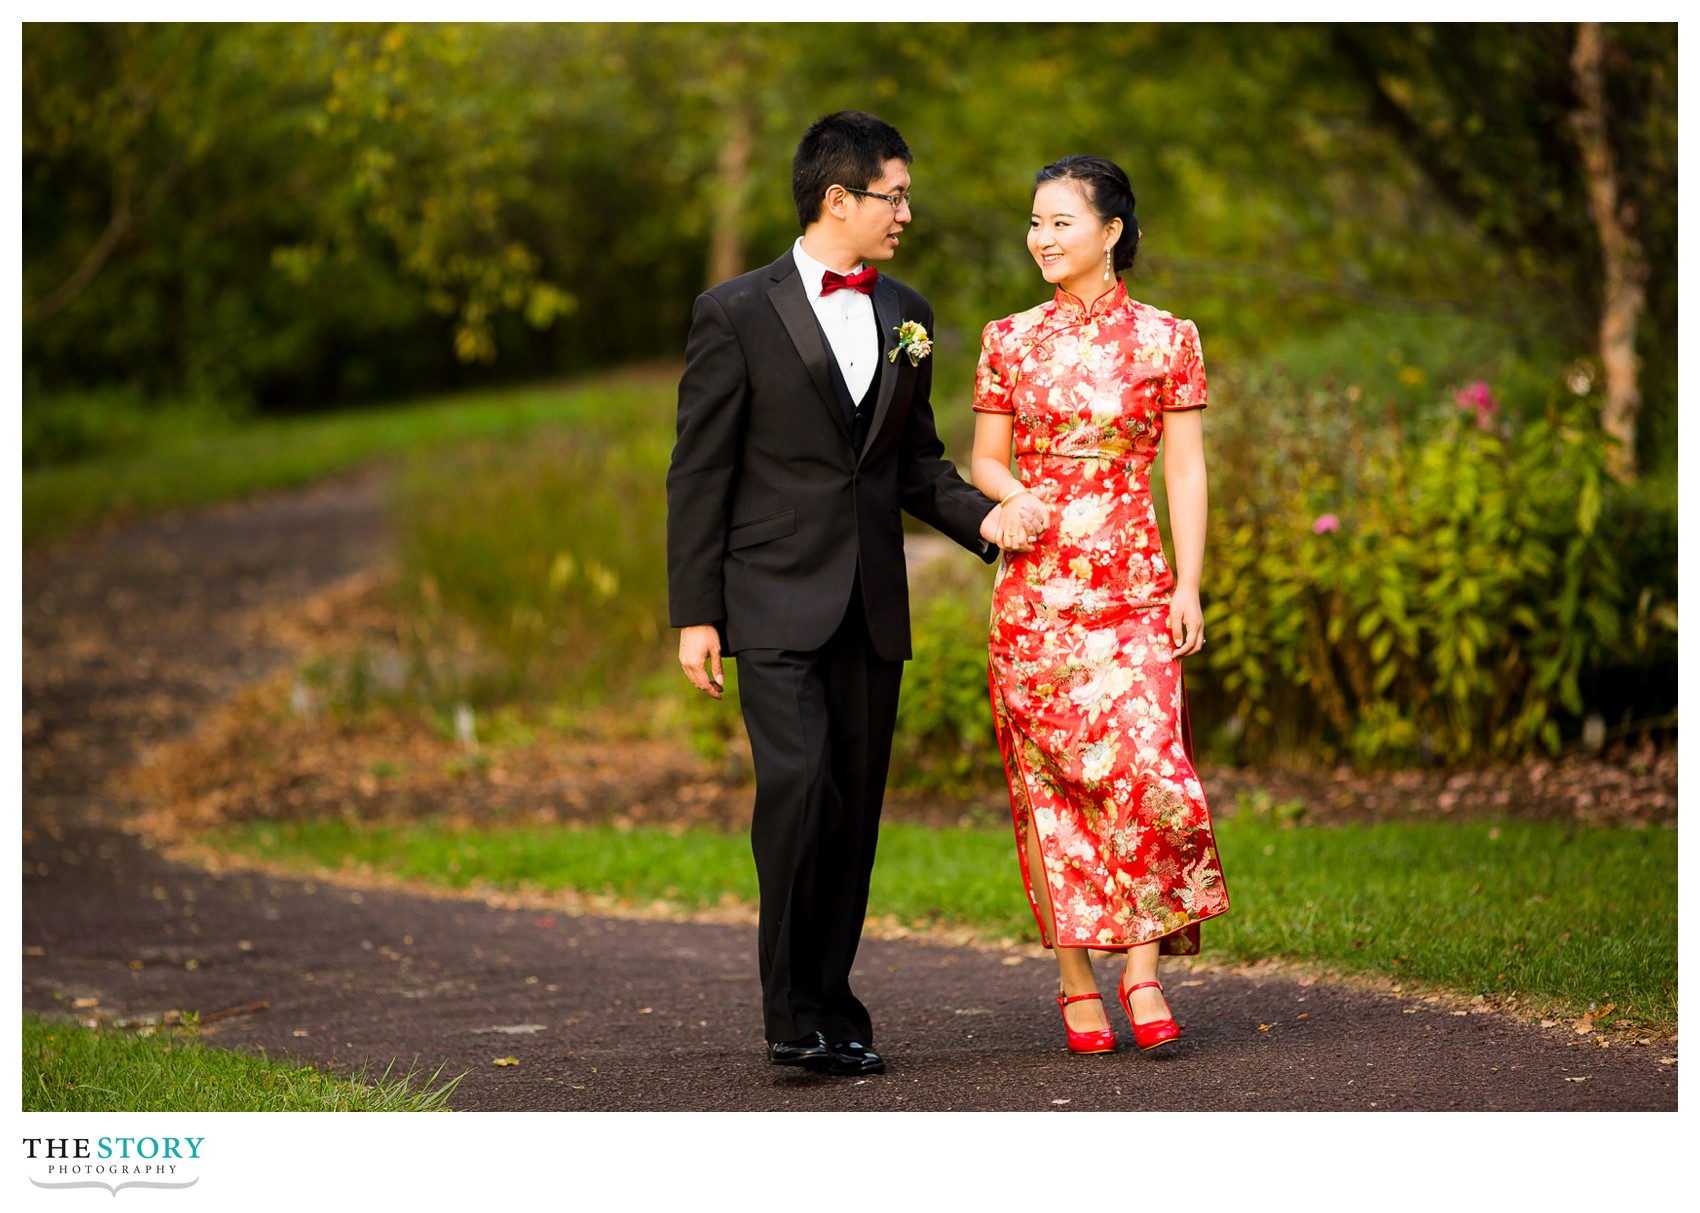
[912, 339]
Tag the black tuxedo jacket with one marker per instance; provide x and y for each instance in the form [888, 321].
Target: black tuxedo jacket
[770, 510]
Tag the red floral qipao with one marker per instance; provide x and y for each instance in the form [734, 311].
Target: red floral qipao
[1086, 695]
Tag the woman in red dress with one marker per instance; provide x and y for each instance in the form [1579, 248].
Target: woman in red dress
[1089, 622]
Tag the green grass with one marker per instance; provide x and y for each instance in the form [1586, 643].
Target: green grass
[1544, 910]
[178, 468]
[1557, 916]
[70, 1068]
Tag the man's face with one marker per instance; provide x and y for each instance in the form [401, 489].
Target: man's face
[872, 225]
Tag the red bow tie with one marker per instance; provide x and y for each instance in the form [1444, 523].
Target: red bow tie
[862, 280]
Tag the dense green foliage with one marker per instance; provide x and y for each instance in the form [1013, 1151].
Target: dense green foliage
[70, 1068]
[944, 719]
[1431, 589]
[1545, 911]
[301, 215]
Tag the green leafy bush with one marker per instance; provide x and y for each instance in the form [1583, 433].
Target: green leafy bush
[1409, 587]
[944, 737]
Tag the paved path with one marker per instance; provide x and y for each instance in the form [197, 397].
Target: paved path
[129, 635]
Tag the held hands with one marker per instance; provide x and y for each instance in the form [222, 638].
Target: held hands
[699, 645]
[1017, 524]
[1186, 622]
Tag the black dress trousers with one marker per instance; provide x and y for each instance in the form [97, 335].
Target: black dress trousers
[820, 725]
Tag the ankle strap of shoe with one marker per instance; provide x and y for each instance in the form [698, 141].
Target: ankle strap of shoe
[1066, 999]
[1143, 985]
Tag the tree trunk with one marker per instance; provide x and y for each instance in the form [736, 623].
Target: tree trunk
[726, 237]
[1625, 264]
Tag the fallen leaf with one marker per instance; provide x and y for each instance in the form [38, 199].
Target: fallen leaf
[1012, 960]
[504, 1061]
[1185, 984]
[299, 1032]
[1667, 1061]
[646, 1010]
[1457, 1013]
[1549, 1023]
[1584, 1078]
[1306, 1015]
[1582, 1026]
[1263, 1027]
[1410, 1010]
[1056, 1102]
[86, 1002]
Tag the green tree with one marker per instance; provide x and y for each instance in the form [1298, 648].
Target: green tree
[1559, 143]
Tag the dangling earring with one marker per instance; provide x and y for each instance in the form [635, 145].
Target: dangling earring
[1107, 274]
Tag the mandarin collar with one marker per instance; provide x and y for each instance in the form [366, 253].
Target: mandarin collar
[1071, 307]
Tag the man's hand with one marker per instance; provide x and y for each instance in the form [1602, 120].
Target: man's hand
[699, 646]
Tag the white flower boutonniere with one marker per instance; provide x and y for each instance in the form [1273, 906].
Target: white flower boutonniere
[912, 339]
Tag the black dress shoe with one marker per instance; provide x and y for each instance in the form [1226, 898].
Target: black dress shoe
[854, 1057]
[809, 1051]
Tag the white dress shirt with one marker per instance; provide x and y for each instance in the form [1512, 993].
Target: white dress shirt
[847, 317]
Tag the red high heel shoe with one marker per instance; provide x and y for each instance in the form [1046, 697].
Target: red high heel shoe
[1100, 1041]
[1152, 1033]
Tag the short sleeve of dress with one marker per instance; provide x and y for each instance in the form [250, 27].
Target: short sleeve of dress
[994, 380]
[1184, 388]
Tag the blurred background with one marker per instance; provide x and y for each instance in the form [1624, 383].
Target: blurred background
[349, 369]
[1434, 268]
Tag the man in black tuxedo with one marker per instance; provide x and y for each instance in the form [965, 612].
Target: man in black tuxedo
[800, 440]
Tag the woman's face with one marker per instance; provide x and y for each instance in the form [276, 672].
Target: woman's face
[1067, 240]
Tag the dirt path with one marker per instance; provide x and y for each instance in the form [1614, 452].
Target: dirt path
[128, 636]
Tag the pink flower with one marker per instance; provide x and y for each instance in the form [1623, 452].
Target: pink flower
[1479, 396]
[1325, 523]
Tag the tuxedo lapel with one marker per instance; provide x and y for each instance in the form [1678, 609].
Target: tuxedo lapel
[792, 304]
[889, 315]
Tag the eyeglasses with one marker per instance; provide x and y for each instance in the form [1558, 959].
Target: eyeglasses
[898, 201]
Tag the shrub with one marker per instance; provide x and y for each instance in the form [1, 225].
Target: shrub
[945, 741]
[1416, 587]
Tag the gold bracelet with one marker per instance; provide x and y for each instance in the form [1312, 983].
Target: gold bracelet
[1019, 489]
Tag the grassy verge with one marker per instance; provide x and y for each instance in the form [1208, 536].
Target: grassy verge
[70, 1068]
[1555, 916]
[189, 467]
